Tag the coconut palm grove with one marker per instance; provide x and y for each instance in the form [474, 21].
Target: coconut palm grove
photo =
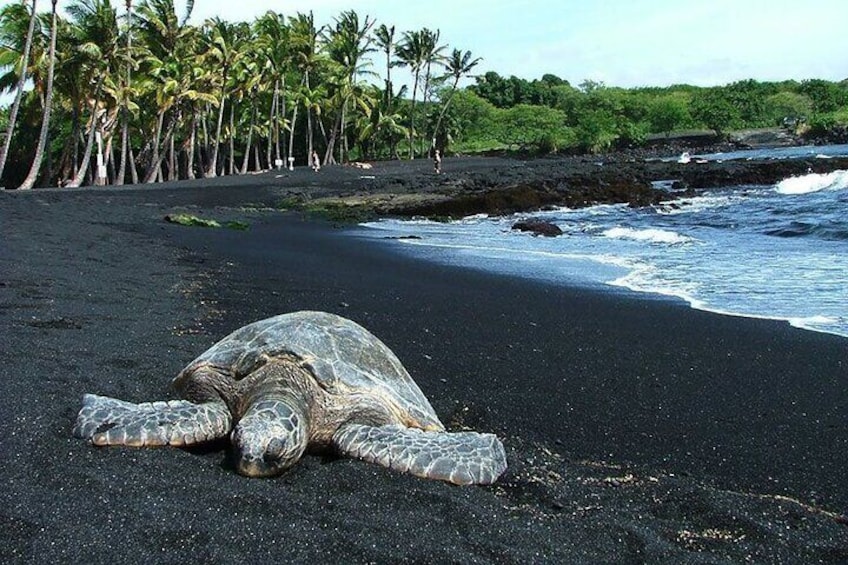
[113, 94]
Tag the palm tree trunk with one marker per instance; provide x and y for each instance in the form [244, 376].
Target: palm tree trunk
[153, 168]
[125, 114]
[282, 112]
[122, 167]
[291, 131]
[75, 136]
[110, 160]
[86, 157]
[412, 117]
[331, 143]
[343, 140]
[191, 144]
[213, 165]
[272, 119]
[29, 182]
[13, 111]
[172, 160]
[444, 109]
[133, 168]
[309, 147]
[249, 140]
[232, 138]
[204, 149]
[156, 172]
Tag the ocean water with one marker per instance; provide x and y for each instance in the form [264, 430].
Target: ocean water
[795, 152]
[777, 251]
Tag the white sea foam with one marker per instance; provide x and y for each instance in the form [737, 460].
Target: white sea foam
[696, 204]
[644, 279]
[813, 182]
[647, 235]
[707, 250]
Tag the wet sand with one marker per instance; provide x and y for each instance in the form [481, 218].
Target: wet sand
[636, 429]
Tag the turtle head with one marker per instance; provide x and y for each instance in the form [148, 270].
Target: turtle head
[269, 438]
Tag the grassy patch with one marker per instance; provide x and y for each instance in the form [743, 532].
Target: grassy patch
[289, 203]
[195, 221]
[237, 225]
[339, 212]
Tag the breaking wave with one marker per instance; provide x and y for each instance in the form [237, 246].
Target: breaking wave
[647, 235]
[813, 182]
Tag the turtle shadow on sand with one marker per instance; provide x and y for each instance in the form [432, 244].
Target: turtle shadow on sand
[298, 381]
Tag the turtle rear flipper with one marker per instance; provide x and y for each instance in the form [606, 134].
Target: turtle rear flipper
[461, 458]
[108, 421]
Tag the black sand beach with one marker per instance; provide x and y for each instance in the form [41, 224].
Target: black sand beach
[637, 429]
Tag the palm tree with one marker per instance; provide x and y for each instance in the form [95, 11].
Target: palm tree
[432, 55]
[222, 49]
[458, 65]
[29, 182]
[174, 77]
[347, 44]
[125, 114]
[96, 26]
[304, 44]
[411, 53]
[273, 44]
[379, 122]
[385, 39]
[13, 14]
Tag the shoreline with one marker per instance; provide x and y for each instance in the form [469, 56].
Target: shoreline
[635, 429]
[613, 285]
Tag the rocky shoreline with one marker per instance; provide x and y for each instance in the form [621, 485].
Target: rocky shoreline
[501, 185]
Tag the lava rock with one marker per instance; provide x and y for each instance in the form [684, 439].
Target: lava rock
[538, 227]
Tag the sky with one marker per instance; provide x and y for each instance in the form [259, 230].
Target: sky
[627, 43]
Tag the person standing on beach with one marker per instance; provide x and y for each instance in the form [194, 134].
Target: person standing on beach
[316, 162]
[437, 161]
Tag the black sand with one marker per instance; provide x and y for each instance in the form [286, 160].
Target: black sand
[637, 430]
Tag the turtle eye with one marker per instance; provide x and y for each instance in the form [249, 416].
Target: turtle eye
[274, 450]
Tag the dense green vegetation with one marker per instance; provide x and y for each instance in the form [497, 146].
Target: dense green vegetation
[593, 117]
[153, 97]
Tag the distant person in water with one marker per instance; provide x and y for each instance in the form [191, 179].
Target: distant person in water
[437, 161]
[316, 162]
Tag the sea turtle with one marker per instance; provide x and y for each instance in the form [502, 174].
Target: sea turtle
[296, 381]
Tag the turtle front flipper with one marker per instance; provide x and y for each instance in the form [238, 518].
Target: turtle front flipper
[461, 458]
[108, 421]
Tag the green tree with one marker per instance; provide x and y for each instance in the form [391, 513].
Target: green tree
[384, 37]
[172, 75]
[273, 42]
[412, 53]
[432, 56]
[31, 177]
[788, 104]
[125, 97]
[667, 113]
[307, 60]
[529, 126]
[826, 96]
[222, 49]
[96, 28]
[714, 110]
[10, 21]
[347, 43]
[458, 65]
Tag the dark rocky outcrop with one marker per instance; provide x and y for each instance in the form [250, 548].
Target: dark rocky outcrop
[499, 186]
[538, 227]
